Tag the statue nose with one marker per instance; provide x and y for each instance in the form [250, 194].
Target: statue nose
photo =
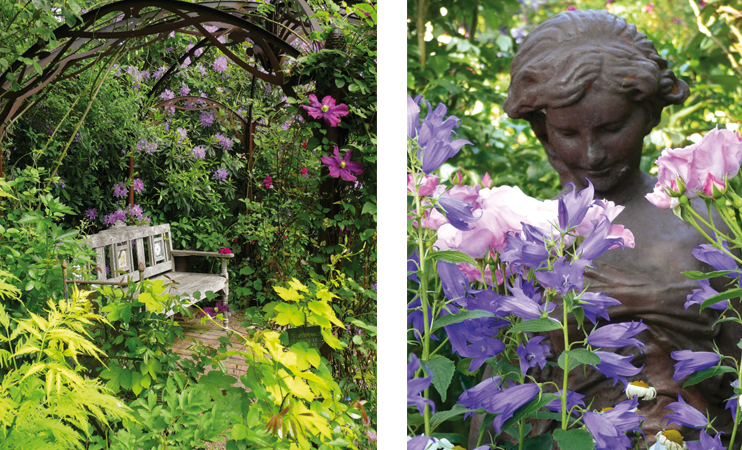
[596, 153]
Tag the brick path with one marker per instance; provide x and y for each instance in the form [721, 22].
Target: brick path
[209, 335]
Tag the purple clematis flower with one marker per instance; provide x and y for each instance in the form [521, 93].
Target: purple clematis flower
[573, 206]
[714, 257]
[573, 399]
[326, 110]
[454, 283]
[618, 335]
[685, 415]
[595, 303]
[564, 276]
[605, 434]
[458, 213]
[616, 367]
[416, 385]
[689, 362]
[707, 442]
[343, 167]
[532, 354]
[699, 295]
[598, 241]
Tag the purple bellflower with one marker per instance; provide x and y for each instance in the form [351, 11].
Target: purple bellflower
[521, 305]
[505, 402]
[326, 110]
[564, 276]
[454, 282]
[689, 362]
[523, 252]
[618, 335]
[733, 402]
[473, 398]
[605, 434]
[699, 295]
[707, 442]
[598, 241]
[413, 265]
[685, 415]
[616, 367]
[714, 257]
[573, 206]
[343, 167]
[595, 303]
[433, 135]
[624, 417]
[416, 385]
[458, 213]
[532, 354]
[482, 350]
[419, 442]
[573, 399]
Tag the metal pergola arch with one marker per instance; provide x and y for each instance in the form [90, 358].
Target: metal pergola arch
[109, 26]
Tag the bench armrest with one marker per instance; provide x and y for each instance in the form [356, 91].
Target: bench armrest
[200, 253]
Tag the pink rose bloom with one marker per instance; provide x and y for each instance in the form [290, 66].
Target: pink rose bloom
[473, 274]
[711, 161]
[486, 180]
[660, 199]
[427, 186]
[465, 193]
[434, 219]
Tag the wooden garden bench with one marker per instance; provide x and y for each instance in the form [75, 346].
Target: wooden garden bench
[132, 253]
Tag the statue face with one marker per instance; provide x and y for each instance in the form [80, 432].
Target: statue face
[599, 138]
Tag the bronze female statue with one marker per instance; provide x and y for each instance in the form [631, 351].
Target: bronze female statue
[592, 87]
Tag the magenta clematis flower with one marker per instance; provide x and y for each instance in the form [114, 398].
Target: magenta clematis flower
[618, 335]
[268, 182]
[689, 362]
[304, 172]
[326, 110]
[532, 354]
[685, 415]
[225, 251]
[343, 167]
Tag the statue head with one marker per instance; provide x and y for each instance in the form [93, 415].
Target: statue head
[592, 87]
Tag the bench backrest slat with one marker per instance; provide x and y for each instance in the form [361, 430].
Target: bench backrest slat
[117, 242]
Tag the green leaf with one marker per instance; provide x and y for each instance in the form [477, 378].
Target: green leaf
[542, 442]
[529, 408]
[239, 432]
[726, 295]
[452, 256]
[536, 325]
[369, 208]
[339, 82]
[459, 317]
[705, 374]
[584, 356]
[442, 369]
[574, 439]
[442, 416]
[696, 275]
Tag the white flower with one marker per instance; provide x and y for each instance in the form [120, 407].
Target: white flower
[669, 440]
[641, 390]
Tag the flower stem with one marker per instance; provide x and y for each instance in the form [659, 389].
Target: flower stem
[565, 331]
[737, 417]
[423, 303]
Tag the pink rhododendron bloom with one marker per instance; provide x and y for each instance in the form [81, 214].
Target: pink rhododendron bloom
[326, 110]
[425, 187]
[343, 167]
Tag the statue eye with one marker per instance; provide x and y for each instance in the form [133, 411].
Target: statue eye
[615, 126]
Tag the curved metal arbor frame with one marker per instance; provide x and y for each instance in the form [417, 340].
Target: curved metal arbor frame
[103, 30]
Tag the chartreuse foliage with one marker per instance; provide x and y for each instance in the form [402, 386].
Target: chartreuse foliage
[312, 309]
[45, 400]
